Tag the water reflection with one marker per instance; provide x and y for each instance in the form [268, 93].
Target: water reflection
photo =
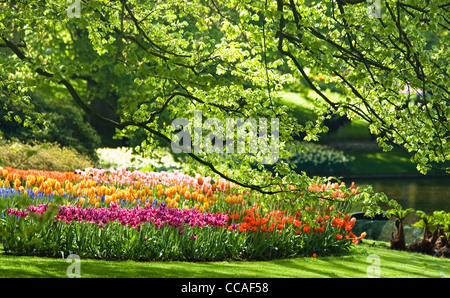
[427, 194]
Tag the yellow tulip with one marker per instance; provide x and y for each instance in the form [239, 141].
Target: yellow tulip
[48, 190]
[46, 184]
[91, 183]
[31, 178]
[17, 183]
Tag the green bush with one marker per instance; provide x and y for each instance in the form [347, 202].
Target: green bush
[46, 156]
[54, 121]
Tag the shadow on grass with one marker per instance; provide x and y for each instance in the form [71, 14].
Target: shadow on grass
[393, 264]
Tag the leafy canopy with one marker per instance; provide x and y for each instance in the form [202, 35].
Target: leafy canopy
[164, 60]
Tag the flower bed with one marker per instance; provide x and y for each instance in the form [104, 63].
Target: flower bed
[121, 214]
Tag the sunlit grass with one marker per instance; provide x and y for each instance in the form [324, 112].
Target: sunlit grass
[393, 264]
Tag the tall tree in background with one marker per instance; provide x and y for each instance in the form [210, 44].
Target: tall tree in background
[156, 61]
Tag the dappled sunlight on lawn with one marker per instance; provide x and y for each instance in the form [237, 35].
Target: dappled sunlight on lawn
[350, 265]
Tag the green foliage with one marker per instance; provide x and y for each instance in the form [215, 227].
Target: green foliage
[46, 156]
[432, 222]
[318, 159]
[443, 220]
[399, 213]
[51, 121]
[390, 68]
[426, 221]
[152, 62]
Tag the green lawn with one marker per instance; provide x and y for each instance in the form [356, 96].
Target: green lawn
[393, 264]
[367, 163]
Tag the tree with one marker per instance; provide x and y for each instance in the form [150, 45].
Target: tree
[164, 60]
[392, 67]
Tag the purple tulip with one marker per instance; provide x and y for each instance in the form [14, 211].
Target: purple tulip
[133, 217]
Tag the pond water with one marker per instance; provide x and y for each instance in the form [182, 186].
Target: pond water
[426, 194]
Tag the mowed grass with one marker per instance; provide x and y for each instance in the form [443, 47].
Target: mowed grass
[355, 264]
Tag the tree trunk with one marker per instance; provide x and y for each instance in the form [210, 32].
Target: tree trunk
[398, 242]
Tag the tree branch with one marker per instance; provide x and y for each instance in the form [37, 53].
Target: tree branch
[144, 125]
